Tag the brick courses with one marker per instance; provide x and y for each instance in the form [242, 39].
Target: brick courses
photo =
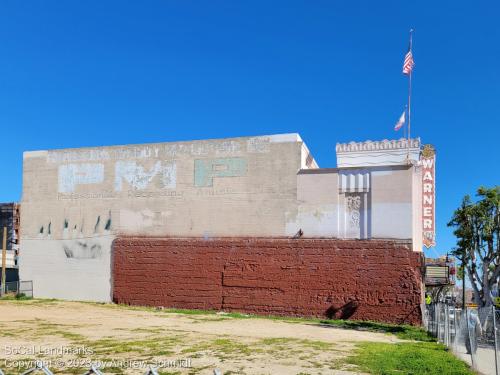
[378, 280]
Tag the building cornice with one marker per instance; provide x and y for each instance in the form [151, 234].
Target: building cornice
[385, 144]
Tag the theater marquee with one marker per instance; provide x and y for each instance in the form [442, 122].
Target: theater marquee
[428, 160]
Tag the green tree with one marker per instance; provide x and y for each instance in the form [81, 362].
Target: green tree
[477, 228]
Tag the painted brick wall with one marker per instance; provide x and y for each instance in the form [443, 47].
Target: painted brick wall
[370, 280]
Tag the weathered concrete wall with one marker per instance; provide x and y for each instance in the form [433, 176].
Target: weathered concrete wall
[375, 280]
[76, 200]
[228, 187]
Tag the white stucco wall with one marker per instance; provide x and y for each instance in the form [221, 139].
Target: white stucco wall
[387, 207]
[55, 275]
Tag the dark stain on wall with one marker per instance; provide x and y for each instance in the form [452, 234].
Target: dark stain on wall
[378, 280]
[82, 249]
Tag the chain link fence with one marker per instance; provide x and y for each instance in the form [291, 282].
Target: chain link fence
[19, 287]
[472, 334]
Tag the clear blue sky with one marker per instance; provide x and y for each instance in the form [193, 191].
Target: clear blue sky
[88, 73]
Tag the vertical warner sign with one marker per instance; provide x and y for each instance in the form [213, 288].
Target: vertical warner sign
[428, 159]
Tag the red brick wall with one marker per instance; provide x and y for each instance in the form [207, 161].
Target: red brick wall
[369, 280]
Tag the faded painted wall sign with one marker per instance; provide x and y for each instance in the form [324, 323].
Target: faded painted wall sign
[428, 160]
[223, 148]
[258, 144]
[140, 177]
[205, 170]
[70, 175]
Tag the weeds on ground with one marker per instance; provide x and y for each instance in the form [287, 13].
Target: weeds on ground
[16, 297]
[404, 332]
[420, 356]
[416, 358]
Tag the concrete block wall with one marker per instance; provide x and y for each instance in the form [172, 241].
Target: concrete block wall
[349, 279]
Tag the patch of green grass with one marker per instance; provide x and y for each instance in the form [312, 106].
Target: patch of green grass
[186, 311]
[44, 328]
[40, 328]
[416, 358]
[15, 297]
[403, 331]
[22, 298]
[208, 320]
[230, 372]
[228, 346]
[317, 345]
[277, 340]
[197, 370]
[312, 344]
[221, 347]
[144, 329]
[153, 346]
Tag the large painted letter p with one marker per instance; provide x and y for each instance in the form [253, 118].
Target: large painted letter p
[206, 169]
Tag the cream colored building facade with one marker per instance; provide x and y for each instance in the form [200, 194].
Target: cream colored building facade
[76, 201]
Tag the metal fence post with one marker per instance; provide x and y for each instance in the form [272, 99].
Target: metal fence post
[447, 325]
[495, 337]
[467, 314]
[438, 313]
[450, 325]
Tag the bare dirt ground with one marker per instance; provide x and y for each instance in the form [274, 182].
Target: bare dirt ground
[68, 336]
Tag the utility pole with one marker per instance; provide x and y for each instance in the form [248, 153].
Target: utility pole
[4, 260]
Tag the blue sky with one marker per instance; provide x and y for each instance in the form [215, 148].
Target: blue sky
[88, 73]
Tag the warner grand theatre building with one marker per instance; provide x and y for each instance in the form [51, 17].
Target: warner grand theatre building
[245, 224]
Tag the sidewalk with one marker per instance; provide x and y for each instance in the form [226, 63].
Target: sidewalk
[484, 360]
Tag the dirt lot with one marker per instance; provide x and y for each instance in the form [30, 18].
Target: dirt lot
[69, 335]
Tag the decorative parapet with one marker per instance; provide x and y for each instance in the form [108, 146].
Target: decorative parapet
[378, 153]
[385, 144]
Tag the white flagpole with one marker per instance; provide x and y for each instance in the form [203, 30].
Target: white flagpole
[409, 99]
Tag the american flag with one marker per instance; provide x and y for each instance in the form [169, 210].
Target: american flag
[400, 122]
[409, 63]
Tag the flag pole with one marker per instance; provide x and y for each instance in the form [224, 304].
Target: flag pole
[409, 99]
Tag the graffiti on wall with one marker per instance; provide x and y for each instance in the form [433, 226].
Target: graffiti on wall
[79, 240]
[82, 249]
